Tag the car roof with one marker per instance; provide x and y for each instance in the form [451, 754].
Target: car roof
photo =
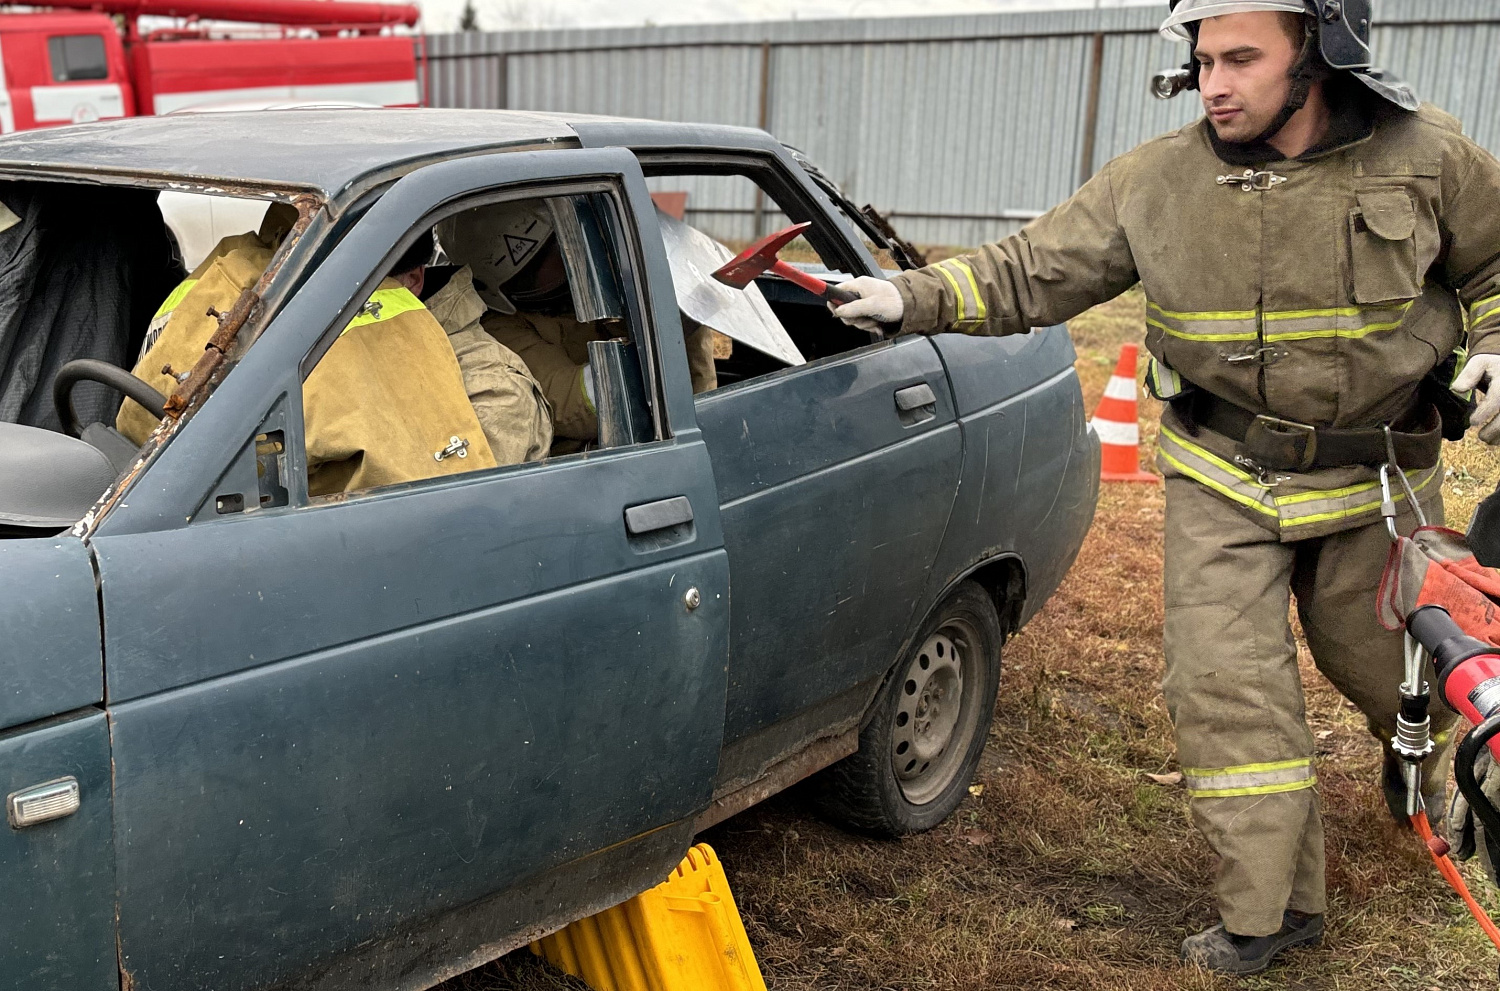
[319, 150]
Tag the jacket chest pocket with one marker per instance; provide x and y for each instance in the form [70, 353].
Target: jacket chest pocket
[1383, 247]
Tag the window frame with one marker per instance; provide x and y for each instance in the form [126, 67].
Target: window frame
[629, 265]
[770, 176]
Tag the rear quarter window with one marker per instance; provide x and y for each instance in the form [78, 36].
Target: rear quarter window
[77, 56]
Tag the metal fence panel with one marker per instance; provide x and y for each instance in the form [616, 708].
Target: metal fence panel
[959, 126]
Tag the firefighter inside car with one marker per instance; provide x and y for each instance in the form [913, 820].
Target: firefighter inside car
[518, 267]
[402, 390]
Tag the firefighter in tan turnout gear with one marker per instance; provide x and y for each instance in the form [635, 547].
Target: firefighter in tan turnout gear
[519, 272]
[400, 385]
[1313, 251]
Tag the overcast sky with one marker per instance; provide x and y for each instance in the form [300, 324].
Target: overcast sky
[495, 15]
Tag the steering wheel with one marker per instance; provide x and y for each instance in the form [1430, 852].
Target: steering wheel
[93, 370]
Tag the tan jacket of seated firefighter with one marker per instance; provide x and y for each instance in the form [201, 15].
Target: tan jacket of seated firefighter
[510, 403]
[520, 274]
[1311, 250]
[556, 349]
[383, 400]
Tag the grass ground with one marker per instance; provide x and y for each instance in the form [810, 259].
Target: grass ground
[1069, 866]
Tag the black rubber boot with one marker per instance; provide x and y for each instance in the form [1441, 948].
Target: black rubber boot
[1222, 951]
[1393, 784]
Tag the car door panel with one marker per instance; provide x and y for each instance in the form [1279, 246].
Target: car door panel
[833, 509]
[323, 801]
[57, 923]
[255, 610]
[1030, 459]
[49, 611]
[337, 722]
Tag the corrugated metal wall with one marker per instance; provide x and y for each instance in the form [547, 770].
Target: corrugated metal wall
[959, 127]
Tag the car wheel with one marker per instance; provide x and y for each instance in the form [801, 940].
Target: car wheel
[921, 744]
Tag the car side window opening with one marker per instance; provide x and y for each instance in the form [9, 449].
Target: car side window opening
[734, 205]
[500, 335]
[77, 57]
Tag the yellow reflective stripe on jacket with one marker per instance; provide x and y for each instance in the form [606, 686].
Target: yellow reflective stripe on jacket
[175, 299]
[1458, 369]
[164, 313]
[1218, 325]
[969, 302]
[1164, 380]
[1213, 471]
[1322, 505]
[1250, 779]
[1279, 325]
[1347, 322]
[1482, 308]
[1297, 509]
[385, 304]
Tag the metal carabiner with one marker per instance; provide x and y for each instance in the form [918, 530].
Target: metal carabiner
[1385, 486]
[1265, 477]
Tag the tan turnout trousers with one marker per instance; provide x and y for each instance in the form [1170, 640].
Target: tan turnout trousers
[1235, 695]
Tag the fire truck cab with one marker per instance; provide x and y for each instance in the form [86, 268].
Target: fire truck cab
[61, 68]
[73, 66]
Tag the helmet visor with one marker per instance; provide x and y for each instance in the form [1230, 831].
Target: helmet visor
[1174, 28]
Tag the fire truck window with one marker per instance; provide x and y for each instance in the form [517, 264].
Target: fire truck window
[77, 56]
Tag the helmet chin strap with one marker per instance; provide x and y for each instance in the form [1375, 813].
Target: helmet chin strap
[1308, 69]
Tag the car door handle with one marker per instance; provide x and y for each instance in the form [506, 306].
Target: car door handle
[915, 397]
[659, 515]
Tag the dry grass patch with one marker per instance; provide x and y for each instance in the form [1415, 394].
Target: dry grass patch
[1073, 868]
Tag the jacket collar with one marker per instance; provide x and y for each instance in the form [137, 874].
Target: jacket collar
[1352, 120]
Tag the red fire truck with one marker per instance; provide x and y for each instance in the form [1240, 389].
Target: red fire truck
[93, 62]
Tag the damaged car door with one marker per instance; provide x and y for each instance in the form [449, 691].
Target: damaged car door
[357, 737]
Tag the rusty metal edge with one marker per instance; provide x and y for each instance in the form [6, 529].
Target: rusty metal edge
[208, 369]
[780, 776]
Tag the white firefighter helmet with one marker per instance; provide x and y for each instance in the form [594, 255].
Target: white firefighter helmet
[496, 242]
[1183, 13]
[1338, 40]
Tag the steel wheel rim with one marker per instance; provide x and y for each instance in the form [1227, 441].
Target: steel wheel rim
[936, 714]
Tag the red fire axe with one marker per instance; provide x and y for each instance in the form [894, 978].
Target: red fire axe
[745, 267]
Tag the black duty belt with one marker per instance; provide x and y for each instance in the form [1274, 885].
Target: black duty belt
[1286, 445]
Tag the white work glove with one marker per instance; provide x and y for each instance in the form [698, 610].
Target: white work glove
[878, 308]
[1482, 371]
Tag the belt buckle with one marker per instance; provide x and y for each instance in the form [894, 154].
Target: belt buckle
[1272, 442]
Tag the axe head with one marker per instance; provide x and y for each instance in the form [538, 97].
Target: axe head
[745, 267]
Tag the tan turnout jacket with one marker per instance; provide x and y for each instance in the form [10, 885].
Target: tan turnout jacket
[384, 399]
[1320, 290]
[508, 402]
[556, 349]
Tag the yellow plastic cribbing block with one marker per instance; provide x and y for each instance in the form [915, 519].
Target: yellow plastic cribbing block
[685, 934]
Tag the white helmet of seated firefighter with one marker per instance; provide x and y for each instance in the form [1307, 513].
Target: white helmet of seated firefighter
[497, 242]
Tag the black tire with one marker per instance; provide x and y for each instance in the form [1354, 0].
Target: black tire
[887, 789]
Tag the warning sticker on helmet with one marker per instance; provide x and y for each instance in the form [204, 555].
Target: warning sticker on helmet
[520, 248]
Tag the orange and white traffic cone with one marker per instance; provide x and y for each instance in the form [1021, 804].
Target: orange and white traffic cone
[1115, 421]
